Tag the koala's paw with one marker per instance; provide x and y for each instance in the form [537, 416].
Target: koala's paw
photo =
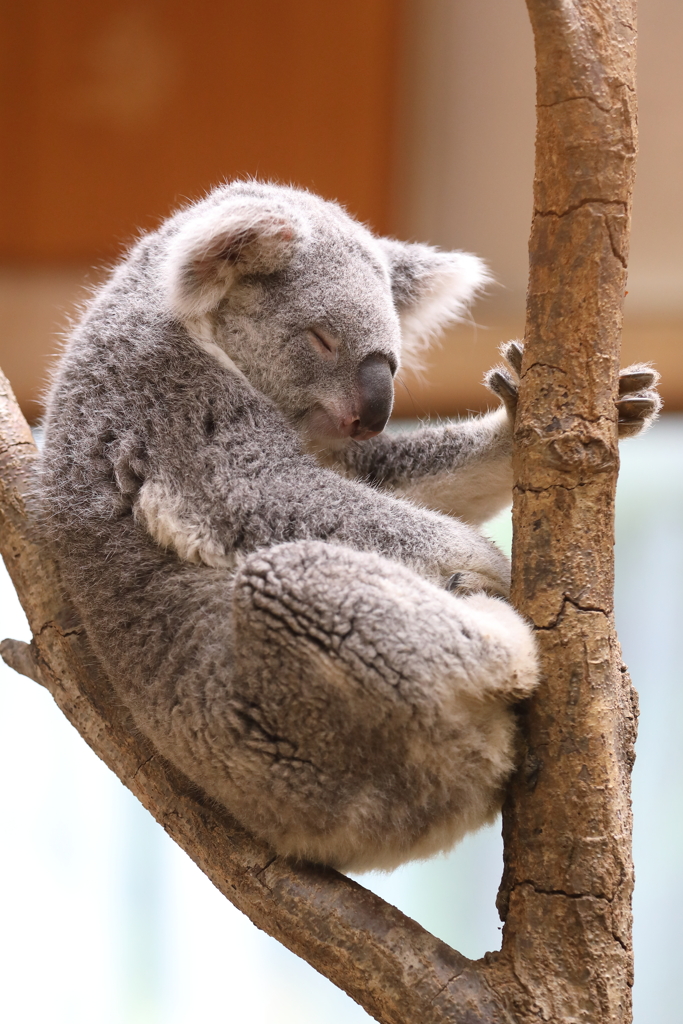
[639, 402]
[503, 380]
[468, 582]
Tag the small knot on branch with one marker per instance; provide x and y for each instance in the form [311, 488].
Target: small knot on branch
[22, 658]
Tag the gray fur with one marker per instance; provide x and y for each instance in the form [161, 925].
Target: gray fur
[295, 617]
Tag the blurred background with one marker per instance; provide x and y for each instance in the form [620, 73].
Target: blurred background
[418, 115]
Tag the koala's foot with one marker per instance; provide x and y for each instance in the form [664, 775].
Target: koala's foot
[638, 404]
[378, 726]
[467, 582]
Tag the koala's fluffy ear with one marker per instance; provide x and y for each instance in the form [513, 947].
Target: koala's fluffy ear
[213, 249]
[431, 289]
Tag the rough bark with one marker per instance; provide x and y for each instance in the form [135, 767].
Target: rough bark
[565, 895]
[566, 891]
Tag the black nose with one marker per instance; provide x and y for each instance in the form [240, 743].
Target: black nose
[376, 393]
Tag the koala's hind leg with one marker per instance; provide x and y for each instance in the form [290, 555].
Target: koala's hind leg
[379, 704]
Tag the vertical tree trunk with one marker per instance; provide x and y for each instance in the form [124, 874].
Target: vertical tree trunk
[566, 891]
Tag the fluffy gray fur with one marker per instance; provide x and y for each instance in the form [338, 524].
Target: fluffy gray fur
[297, 608]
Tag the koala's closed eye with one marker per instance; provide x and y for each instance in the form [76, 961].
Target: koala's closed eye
[324, 344]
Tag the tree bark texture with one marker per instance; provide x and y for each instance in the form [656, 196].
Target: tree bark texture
[566, 891]
[565, 895]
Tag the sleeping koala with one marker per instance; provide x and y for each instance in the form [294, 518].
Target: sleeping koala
[296, 607]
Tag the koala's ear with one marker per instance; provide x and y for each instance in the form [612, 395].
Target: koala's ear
[216, 247]
[431, 289]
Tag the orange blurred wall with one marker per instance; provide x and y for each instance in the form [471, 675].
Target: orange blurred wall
[114, 112]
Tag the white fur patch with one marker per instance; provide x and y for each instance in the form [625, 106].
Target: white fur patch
[201, 332]
[475, 493]
[191, 539]
[514, 675]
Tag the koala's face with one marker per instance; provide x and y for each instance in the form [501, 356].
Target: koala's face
[309, 305]
[321, 337]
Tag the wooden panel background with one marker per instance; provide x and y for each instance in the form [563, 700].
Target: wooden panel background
[114, 112]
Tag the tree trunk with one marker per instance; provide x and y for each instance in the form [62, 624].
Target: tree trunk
[566, 891]
[565, 895]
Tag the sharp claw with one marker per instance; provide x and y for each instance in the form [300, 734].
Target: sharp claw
[502, 384]
[631, 428]
[513, 352]
[454, 581]
[633, 408]
[639, 380]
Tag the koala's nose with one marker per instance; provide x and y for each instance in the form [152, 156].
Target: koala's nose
[375, 396]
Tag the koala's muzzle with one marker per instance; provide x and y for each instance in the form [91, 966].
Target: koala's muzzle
[375, 397]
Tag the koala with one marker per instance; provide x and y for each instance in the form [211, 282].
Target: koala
[297, 607]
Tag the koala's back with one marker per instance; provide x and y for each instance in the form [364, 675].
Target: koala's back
[127, 373]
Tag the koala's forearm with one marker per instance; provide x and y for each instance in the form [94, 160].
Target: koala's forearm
[305, 502]
[463, 469]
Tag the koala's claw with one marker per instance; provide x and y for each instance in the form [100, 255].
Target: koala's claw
[470, 582]
[512, 352]
[639, 402]
[637, 378]
[635, 407]
[454, 581]
[503, 381]
[502, 384]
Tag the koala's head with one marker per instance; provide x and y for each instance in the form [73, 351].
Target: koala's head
[316, 311]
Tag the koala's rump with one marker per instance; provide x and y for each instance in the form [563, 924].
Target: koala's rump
[322, 752]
